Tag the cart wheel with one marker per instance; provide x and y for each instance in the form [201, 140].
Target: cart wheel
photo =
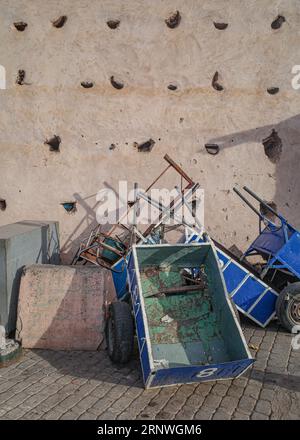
[288, 306]
[119, 332]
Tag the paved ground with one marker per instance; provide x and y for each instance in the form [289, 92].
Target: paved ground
[85, 385]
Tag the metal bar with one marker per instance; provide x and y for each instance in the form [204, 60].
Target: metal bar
[179, 289]
[178, 169]
[172, 164]
[248, 203]
[260, 297]
[256, 197]
[161, 174]
[226, 265]
[93, 259]
[110, 248]
[91, 235]
[135, 206]
[101, 244]
[165, 211]
[247, 276]
[185, 202]
[141, 236]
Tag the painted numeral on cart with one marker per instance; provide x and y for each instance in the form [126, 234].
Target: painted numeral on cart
[206, 373]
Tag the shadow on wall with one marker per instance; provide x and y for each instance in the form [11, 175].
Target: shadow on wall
[12, 313]
[281, 143]
[89, 220]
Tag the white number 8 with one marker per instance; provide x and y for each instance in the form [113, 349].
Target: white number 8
[207, 372]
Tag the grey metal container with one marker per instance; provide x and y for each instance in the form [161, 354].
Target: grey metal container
[23, 243]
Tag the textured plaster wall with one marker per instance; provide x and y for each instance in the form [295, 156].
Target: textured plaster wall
[147, 56]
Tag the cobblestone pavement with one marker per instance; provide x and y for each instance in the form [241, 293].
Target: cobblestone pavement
[86, 385]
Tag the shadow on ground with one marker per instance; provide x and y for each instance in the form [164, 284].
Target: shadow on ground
[97, 365]
[94, 365]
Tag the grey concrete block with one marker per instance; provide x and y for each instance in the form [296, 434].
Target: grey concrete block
[23, 243]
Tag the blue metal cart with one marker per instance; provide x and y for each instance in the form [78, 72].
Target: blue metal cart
[252, 296]
[275, 290]
[185, 324]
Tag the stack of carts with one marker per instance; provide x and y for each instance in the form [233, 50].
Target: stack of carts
[106, 248]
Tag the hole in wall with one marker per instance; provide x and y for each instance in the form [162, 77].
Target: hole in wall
[113, 24]
[60, 21]
[212, 149]
[54, 143]
[87, 84]
[116, 84]
[2, 204]
[266, 212]
[172, 87]
[174, 20]
[215, 82]
[20, 26]
[145, 147]
[273, 146]
[112, 146]
[273, 90]
[70, 207]
[20, 77]
[220, 26]
[277, 23]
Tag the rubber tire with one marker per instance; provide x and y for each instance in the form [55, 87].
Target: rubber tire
[293, 290]
[119, 332]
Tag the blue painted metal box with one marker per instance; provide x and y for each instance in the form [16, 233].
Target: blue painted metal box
[251, 295]
[183, 336]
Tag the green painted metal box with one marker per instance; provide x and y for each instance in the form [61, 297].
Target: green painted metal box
[186, 326]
